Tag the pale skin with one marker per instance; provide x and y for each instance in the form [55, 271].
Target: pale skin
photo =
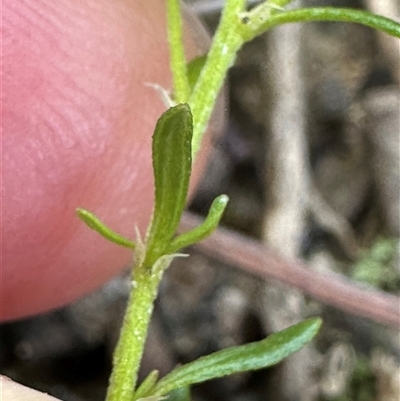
[77, 119]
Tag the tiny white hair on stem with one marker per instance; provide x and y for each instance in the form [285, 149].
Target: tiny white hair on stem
[164, 94]
[203, 7]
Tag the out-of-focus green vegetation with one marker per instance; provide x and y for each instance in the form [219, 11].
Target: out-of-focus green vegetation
[378, 265]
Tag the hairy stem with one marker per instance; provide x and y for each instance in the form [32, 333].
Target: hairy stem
[177, 52]
[227, 41]
[129, 350]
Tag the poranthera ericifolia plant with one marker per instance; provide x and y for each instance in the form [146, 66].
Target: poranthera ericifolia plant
[176, 140]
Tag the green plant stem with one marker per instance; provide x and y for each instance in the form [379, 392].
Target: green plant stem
[227, 41]
[177, 52]
[129, 350]
[258, 24]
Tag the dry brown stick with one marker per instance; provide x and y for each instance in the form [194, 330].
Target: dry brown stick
[330, 288]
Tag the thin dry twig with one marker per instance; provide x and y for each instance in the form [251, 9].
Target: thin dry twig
[329, 288]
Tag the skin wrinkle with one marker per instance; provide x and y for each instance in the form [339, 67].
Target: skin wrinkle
[70, 87]
[61, 110]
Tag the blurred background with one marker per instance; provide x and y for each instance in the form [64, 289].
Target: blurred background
[309, 156]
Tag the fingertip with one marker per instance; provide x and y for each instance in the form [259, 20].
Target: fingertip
[77, 126]
[13, 391]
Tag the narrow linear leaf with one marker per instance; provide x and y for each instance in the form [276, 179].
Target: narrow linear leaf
[96, 224]
[194, 68]
[172, 163]
[144, 390]
[180, 394]
[203, 230]
[243, 358]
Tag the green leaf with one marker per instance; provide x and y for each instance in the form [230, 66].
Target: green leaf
[194, 68]
[377, 266]
[96, 224]
[144, 390]
[203, 230]
[180, 394]
[243, 358]
[172, 163]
